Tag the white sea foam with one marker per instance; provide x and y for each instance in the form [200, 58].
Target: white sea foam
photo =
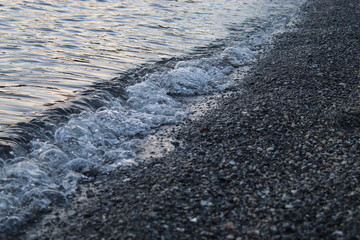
[111, 136]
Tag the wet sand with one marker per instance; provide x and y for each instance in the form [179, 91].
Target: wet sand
[278, 159]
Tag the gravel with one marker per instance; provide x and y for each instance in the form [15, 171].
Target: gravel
[278, 159]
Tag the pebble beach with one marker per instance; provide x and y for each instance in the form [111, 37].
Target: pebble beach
[277, 158]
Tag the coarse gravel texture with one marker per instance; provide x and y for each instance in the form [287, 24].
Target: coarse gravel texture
[278, 159]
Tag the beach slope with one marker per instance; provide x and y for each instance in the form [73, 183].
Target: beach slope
[278, 159]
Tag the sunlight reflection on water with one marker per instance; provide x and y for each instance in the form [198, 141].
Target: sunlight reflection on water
[51, 49]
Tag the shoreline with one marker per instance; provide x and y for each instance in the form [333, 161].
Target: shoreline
[280, 163]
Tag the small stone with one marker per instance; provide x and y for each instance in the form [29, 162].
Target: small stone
[284, 197]
[254, 232]
[205, 233]
[273, 228]
[230, 236]
[259, 149]
[338, 233]
[270, 149]
[229, 226]
[206, 203]
[152, 214]
[289, 206]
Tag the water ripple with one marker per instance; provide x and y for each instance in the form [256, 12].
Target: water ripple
[73, 44]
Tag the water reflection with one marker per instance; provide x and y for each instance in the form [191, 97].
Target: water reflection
[50, 49]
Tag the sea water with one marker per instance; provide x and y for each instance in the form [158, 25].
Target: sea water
[83, 83]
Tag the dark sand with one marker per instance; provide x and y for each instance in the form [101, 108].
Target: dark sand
[280, 158]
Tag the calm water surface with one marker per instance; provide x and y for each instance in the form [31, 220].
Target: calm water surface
[51, 49]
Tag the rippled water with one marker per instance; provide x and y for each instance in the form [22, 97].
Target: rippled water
[51, 49]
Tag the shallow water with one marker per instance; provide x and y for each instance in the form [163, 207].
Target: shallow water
[54, 50]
